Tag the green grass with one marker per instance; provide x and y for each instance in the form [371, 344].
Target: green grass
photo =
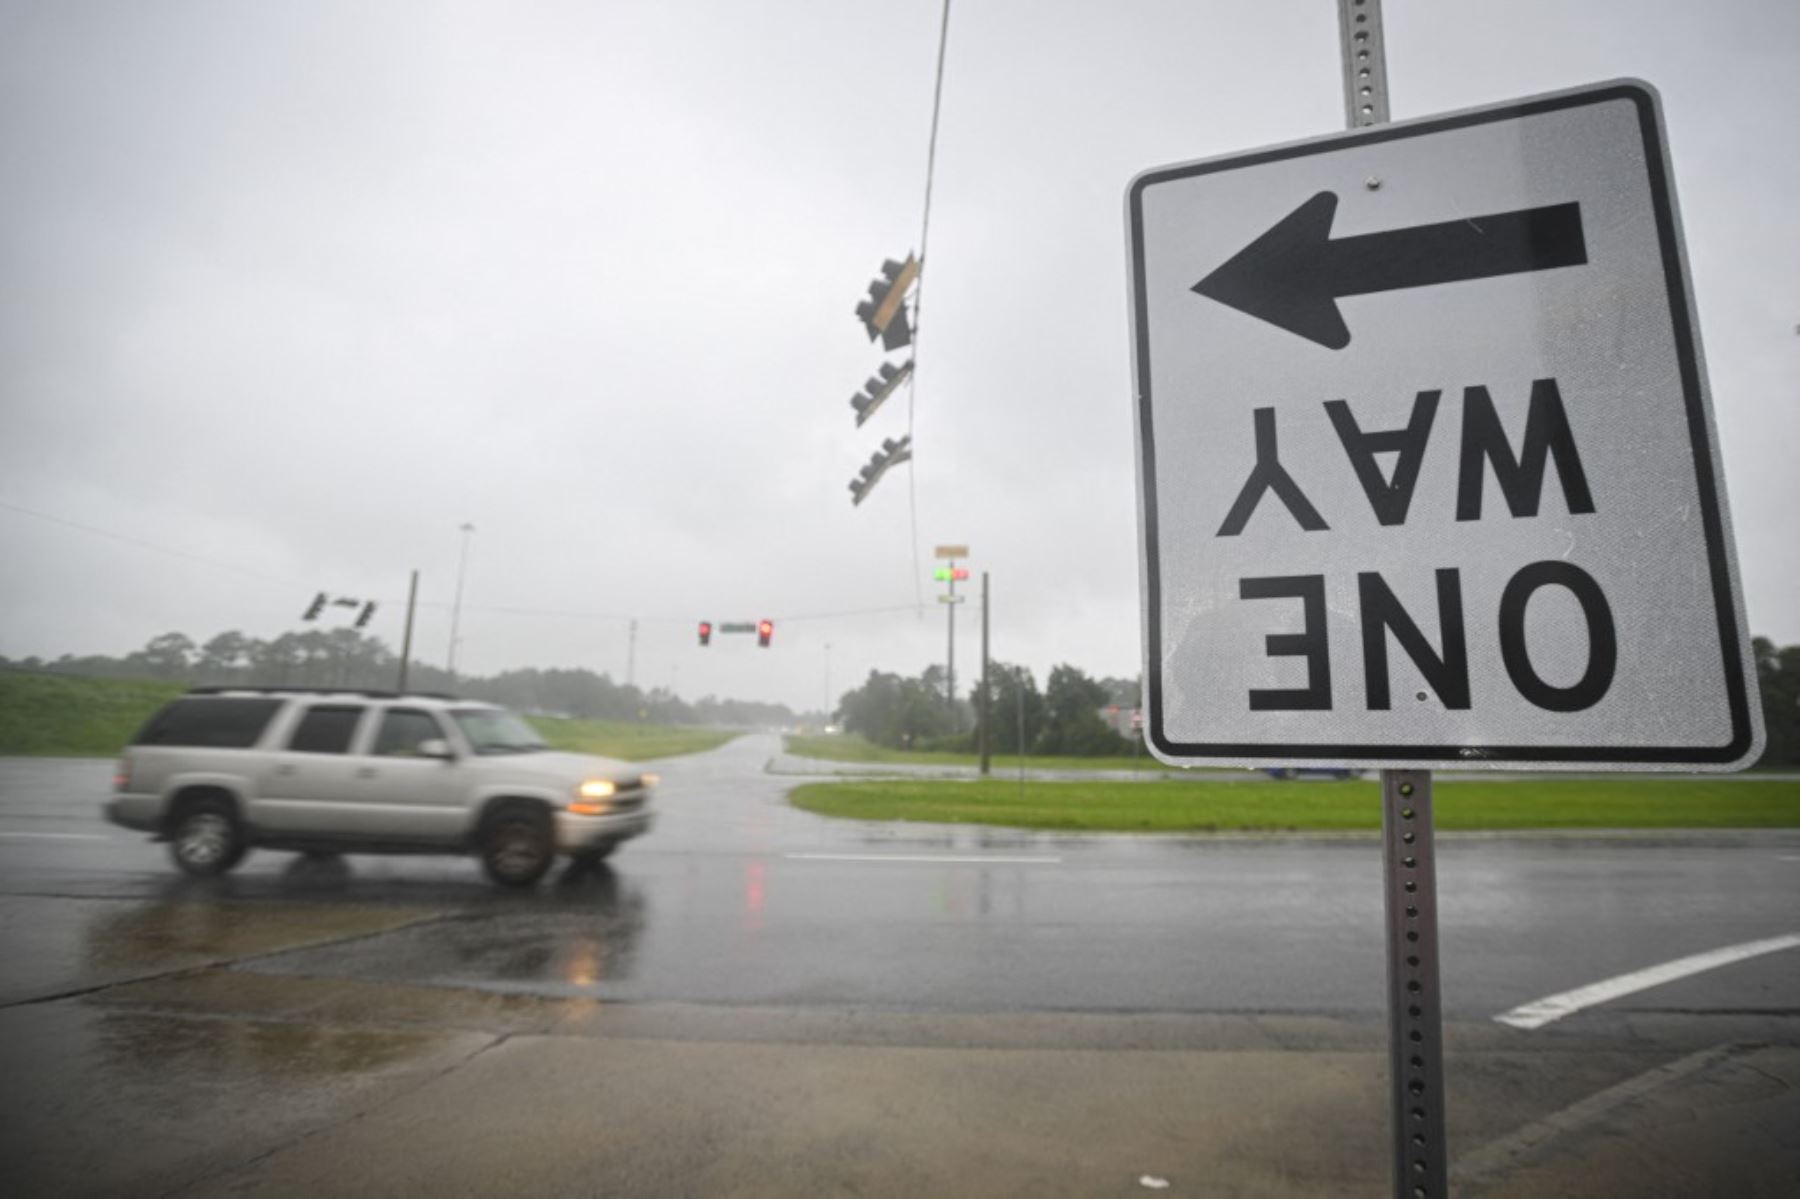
[1184, 806]
[626, 739]
[848, 747]
[61, 716]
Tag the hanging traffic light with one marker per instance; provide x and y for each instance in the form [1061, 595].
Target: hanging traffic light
[879, 387]
[891, 453]
[765, 629]
[883, 314]
[705, 632]
[367, 611]
[313, 609]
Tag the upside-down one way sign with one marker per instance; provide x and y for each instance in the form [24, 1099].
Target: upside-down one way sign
[1428, 474]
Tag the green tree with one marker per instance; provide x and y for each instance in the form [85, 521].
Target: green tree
[1015, 702]
[1778, 680]
[220, 656]
[894, 711]
[167, 656]
[1072, 722]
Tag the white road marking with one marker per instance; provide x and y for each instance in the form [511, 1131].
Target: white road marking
[57, 836]
[883, 857]
[1540, 1012]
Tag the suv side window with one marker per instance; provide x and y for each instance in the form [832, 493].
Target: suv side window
[402, 732]
[209, 723]
[325, 729]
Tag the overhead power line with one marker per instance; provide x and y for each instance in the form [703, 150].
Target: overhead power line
[912, 382]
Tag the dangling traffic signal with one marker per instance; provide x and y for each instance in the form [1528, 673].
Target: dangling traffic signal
[317, 606]
[765, 629]
[706, 632]
[883, 314]
[879, 387]
[891, 453]
[368, 611]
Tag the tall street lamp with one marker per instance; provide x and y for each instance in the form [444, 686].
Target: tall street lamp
[462, 566]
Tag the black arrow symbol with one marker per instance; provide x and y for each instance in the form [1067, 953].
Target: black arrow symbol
[1293, 275]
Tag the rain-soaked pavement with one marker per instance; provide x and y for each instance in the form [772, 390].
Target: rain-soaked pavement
[757, 1000]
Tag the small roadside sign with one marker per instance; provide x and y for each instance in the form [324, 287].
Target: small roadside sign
[952, 551]
[1427, 468]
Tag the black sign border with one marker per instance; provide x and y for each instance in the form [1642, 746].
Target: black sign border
[1643, 98]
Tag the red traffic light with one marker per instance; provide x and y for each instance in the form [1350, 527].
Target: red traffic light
[705, 632]
[765, 629]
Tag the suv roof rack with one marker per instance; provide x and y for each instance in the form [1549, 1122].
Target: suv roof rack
[222, 688]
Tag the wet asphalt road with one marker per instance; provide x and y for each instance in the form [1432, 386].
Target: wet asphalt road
[757, 1001]
[737, 898]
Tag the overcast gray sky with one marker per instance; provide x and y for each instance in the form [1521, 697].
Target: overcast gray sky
[297, 289]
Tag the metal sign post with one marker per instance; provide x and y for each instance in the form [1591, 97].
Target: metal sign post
[1427, 475]
[1415, 1012]
[1408, 849]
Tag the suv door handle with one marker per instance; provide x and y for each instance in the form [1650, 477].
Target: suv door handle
[365, 772]
[284, 770]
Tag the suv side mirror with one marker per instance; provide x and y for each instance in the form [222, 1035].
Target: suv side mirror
[436, 747]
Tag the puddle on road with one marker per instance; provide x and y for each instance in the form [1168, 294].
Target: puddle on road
[56, 945]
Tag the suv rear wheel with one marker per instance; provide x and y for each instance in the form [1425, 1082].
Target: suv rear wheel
[206, 839]
[518, 844]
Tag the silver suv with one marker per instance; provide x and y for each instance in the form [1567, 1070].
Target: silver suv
[223, 769]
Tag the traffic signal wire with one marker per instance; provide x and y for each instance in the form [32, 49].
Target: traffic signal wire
[912, 381]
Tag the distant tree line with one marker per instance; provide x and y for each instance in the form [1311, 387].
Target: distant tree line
[347, 658]
[1068, 717]
[1778, 676]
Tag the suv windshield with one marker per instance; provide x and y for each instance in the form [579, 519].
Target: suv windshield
[497, 731]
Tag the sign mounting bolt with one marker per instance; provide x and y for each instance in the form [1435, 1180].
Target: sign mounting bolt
[1373, 183]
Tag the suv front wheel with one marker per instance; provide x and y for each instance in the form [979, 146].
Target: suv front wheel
[206, 839]
[518, 845]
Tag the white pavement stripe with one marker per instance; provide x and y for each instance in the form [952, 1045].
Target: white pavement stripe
[57, 836]
[1540, 1012]
[956, 860]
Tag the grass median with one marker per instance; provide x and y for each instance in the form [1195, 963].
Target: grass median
[51, 715]
[623, 739]
[1182, 806]
[848, 747]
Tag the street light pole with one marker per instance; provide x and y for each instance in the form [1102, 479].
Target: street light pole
[462, 565]
[412, 602]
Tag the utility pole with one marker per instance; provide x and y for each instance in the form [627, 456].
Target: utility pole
[828, 703]
[987, 695]
[950, 661]
[631, 656]
[462, 565]
[412, 602]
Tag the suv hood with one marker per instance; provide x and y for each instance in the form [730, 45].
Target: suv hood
[561, 766]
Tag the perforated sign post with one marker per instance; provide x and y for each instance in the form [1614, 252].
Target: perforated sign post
[1428, 476]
